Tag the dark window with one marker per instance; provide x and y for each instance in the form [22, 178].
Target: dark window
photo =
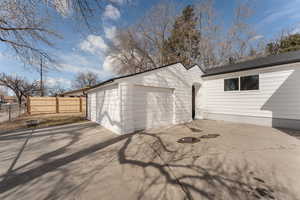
[231, 84]
[250, 82]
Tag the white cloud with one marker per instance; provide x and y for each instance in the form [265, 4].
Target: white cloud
[53, 82]
[288, 10]
[257, 37]
[118, 1]
[74, 58]
[110, 32]
[75, 63]
[77, 68]
[111, 12]
[295, 30]
[110, 64]
[93, 44]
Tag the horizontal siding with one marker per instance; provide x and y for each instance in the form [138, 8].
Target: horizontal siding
[153, 107]
[105, 107]
[278, 96]
[174, 78]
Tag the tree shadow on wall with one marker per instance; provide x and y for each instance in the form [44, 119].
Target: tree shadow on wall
[183, 102]
[104, 109]
[284, 104]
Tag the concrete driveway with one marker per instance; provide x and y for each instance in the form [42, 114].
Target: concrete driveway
[86, 161]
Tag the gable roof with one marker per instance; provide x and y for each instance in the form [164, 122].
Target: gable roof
[268, 61]
[129, 75]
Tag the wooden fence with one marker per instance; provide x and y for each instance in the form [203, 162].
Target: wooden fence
[48, 105]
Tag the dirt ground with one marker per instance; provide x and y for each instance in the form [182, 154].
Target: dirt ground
[86, 161]
[45, 120]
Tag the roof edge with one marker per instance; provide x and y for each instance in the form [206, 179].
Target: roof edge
[76, 90]
[197, 66]
[253, 68]
[129, 75]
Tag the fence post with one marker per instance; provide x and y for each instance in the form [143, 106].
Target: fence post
[9, 112]
[57, 105]
[28, 106]
[80, 104]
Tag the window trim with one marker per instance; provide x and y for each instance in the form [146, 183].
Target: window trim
[232, 90]
[249, 76]
[239, 78]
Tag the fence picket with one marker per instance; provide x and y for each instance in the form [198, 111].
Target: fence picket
[40, 105]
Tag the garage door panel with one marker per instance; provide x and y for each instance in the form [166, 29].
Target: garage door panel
[153, 107]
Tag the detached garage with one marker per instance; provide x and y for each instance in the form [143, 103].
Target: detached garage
[163, 96]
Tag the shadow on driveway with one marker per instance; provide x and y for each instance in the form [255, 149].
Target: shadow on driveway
[154, 167]
[291, 132]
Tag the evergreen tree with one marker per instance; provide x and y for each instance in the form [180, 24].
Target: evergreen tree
[286, 44]
[183, 43]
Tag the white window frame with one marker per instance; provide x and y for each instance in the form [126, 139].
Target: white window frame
[239, 90]
[231, 90]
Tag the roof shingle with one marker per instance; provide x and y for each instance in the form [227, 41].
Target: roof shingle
[268, 61]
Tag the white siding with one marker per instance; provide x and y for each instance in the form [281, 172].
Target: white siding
[194, 74]
[92, 106]
[175, 78]
[89, 106]
[151, 99]
[105, 107]
[136, 102]
[152, 107]
[278, 96]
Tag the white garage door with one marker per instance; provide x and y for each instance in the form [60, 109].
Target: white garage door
[152, 107]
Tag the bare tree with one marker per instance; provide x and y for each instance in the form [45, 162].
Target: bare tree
[210, 32]
[3, 91]
[83, 10]
[238, 40]
[23, 28]
[285, 41]
[130, 53]
[55, 90]
[24, 24]
[83, 80]
[19, 85]
[140, 47]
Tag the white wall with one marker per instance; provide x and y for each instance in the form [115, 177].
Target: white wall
[91, 101]
[194, 75]
[174, 77]
[153, 107]
[104, 104]
[139, 101]
[278, 96]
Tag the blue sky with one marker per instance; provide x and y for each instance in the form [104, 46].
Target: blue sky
[79, 52]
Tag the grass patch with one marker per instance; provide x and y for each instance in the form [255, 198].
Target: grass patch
[45, 120]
